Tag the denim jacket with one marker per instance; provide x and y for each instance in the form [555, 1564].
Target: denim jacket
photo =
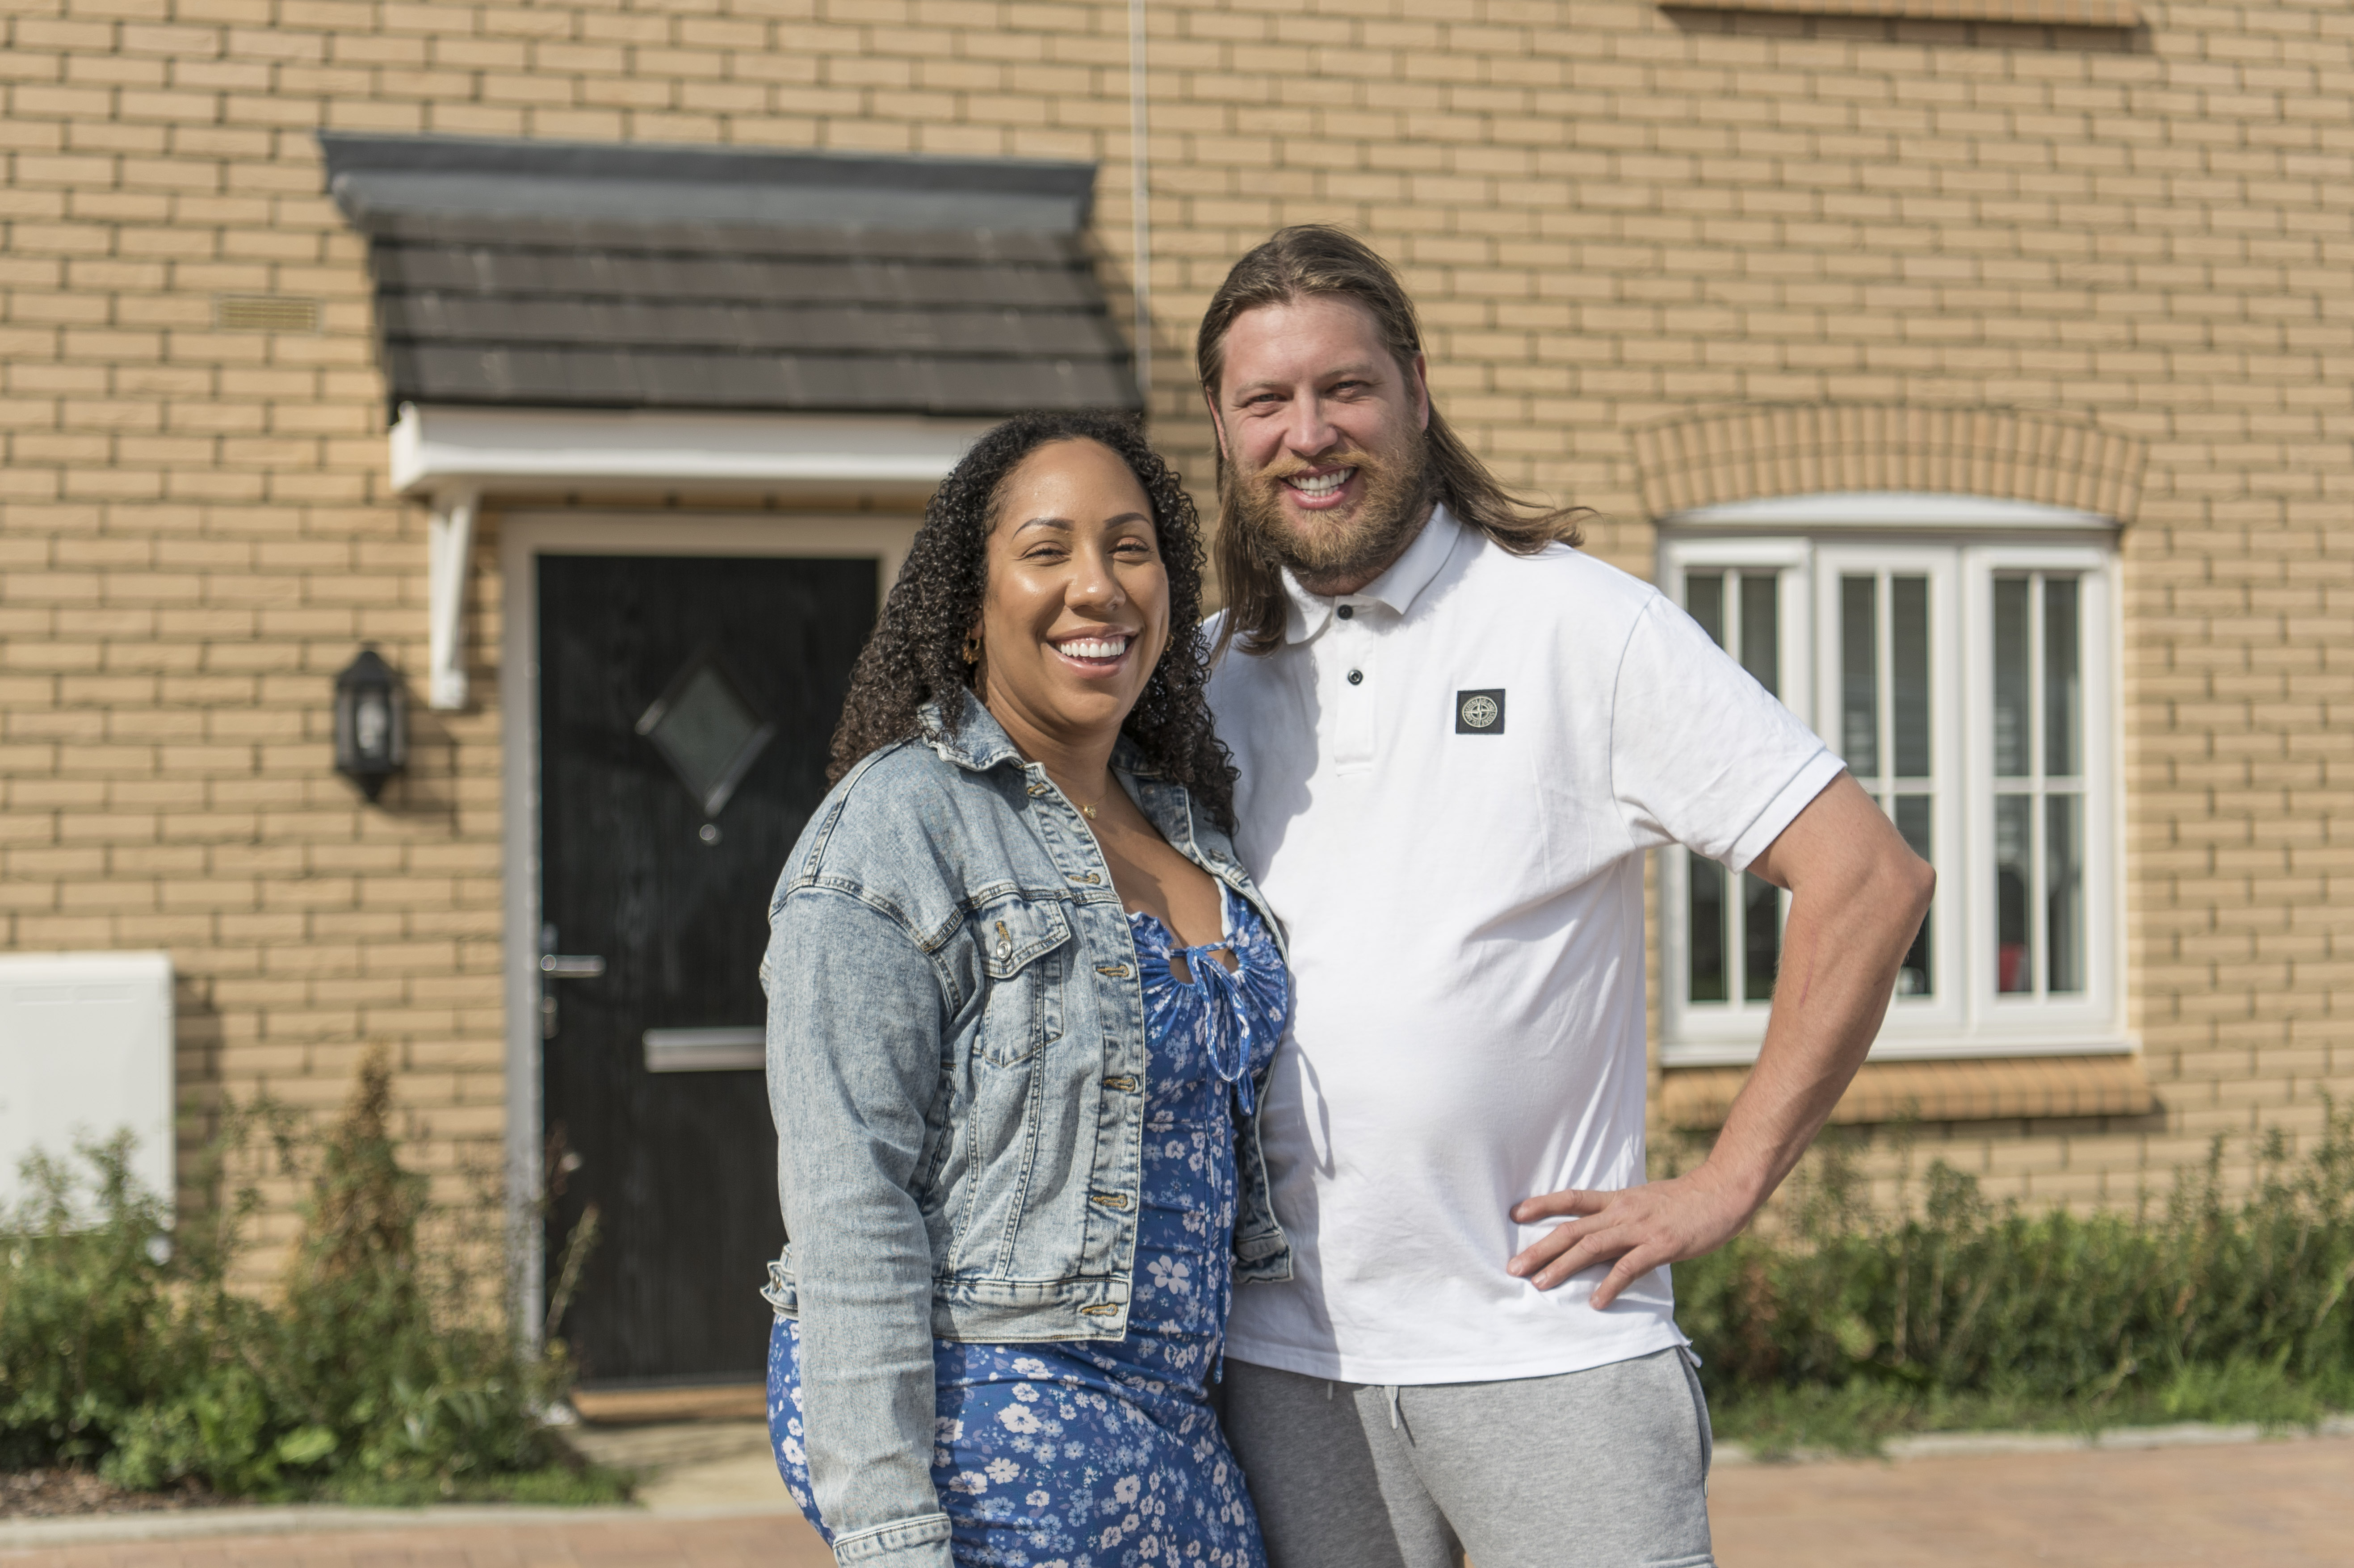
[956, 1066]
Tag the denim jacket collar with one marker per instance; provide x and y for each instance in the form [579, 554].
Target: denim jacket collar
[980, 743]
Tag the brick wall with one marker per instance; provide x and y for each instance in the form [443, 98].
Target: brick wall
[1610, 212]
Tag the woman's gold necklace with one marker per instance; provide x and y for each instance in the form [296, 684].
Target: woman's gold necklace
[1088, 811]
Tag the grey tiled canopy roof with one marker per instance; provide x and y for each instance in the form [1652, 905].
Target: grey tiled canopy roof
[557, 274]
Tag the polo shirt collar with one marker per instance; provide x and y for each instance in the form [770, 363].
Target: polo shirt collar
[1306, 614]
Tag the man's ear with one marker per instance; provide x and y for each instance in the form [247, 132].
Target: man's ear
[1217, 426]
[1422, 391]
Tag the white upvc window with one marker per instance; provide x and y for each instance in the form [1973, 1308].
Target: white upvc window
[1965, 674]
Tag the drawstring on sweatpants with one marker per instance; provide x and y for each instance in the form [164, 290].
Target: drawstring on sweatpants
[1329, 1385]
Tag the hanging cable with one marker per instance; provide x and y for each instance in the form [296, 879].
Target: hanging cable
[1139, 165]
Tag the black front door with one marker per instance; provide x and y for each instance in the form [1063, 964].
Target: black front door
[685, 705]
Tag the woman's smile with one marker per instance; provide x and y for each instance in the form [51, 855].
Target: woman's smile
[1095, 652]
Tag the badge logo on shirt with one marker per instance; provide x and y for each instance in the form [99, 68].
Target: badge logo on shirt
[1480, 713]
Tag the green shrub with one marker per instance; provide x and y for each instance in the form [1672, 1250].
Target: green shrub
[384, 1368]
[1958, 1313]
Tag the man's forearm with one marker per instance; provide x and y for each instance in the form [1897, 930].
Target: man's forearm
[1852, 918]
[1857, 896]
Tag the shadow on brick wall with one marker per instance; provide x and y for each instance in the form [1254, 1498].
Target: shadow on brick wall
[1743, 22]
[196, 1070]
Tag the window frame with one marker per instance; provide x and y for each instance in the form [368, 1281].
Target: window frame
[2031, 1026]
[1962, 544]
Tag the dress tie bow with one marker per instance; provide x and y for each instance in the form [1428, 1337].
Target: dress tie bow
[1220, 988]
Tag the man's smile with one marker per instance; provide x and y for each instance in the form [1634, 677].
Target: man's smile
[1319, 489]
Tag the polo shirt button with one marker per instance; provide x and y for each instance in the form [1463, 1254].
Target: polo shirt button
[1348, 612]
[1356, 677]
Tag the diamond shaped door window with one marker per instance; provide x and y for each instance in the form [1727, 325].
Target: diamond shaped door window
[708, 730]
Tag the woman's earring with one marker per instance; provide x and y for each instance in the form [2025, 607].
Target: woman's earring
[971, 648]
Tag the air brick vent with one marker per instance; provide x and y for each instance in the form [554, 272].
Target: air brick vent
[265, 313]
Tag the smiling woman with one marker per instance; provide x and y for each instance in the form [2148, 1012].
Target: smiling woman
[1022, 998]
[1077, 612]
[933, 613]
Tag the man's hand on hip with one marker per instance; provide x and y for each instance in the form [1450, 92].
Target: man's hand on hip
[1857, 896]
[1642, 1227]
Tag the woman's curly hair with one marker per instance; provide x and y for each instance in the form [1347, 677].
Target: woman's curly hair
[915, 655]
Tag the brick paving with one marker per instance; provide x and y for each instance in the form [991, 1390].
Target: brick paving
[777, 1541]
[2282, 1505]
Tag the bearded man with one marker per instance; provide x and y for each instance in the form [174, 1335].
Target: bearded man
[1457, 735]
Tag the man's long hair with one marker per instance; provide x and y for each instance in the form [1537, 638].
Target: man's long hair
[1298, 263]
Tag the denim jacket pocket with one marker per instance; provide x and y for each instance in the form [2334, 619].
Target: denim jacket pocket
[1024, 956]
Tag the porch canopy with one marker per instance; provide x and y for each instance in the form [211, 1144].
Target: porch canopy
[575, 275]
[571, 316]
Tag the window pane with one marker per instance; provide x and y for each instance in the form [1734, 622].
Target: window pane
[1761, 630]
[1761, 949]
[1908, 639]
[2010, 678]
[1706, 928]
[2014, 958]
[1704, 601]
[2064, 891]
[1914, 978]
[2062, 686]
[1860, 675]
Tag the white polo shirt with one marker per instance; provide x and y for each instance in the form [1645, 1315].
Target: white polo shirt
[1447, 781]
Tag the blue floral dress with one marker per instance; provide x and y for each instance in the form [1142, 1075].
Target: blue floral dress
[1099, 1453]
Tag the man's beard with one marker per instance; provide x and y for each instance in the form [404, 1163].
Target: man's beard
[1395, 498]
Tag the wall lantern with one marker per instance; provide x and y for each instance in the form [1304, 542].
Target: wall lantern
[371, 723]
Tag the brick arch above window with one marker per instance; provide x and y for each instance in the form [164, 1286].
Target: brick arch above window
[1757, 450]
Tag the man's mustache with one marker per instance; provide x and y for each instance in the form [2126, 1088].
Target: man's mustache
[1283, 467]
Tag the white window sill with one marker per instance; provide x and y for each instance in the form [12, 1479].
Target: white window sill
[1740, 1053]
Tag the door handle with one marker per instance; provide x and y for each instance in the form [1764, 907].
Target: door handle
[571, 966]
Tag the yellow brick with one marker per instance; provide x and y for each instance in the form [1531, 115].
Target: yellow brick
[1607, 221]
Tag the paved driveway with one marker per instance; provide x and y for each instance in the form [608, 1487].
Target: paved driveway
[2284, 1505]
[775, 1541]
[2281, 1505]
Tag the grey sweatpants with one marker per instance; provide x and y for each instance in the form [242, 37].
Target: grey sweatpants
[1603, 1468]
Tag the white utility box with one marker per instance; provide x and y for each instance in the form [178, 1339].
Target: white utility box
[85, 1052]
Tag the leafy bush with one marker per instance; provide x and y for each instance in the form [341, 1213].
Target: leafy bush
[384, 1369]
[1856, 1323]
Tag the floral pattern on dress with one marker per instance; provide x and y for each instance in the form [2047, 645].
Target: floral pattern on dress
[1099, 1452]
